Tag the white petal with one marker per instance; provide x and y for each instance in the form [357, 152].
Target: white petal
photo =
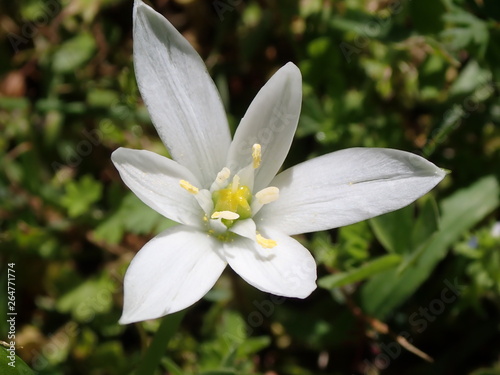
[156, 181]
[271, 121]
[345, 187]
[287, 269]
[171, 272]
[245, 228]
[182, 99]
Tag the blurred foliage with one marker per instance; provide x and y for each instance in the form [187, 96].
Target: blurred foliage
[421, 76]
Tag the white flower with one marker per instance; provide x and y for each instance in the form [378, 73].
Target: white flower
[232, 207]
[495, 230]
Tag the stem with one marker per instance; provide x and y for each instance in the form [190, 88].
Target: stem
[154, 353]
[384, 329]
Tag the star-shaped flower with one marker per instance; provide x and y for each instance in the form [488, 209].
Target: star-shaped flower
[231, 206]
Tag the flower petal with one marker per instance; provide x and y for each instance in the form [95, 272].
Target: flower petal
[287, 269]
[182, 99]
[156, 181]
[271, 121]
[245, 228]
[171, 272]
[345, 187]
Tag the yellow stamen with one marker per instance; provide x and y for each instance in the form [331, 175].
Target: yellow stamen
[190, 188]
[256, 155]
[228, 215]
[265, 242]
[268, 195]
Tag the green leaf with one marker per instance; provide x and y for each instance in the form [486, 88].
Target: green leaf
[220, 372]
[232, 330]
[91, 297]
[393, 229]
[134, 216]
[253, 345]
[369, 269]
[73, 53]
[12, 365]
[14, 103]
[319, 46]
[354, 241]
[102, 98]
[470, 78]
[355, 22]
[172, 367]
[427, 222]
[469, 32]
[157, 348]
[460, 212]
[423, 229]
[81, 195]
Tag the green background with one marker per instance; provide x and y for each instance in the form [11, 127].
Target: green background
[421, 76]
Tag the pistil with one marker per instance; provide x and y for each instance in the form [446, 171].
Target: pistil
[225, 203]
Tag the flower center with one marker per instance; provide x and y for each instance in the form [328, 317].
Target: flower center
[235, 199]
[225, 203]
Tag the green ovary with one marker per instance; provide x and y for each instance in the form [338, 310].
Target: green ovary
[234, 200]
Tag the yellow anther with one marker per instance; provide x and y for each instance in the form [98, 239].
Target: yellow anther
[228, 215]
[266, 243]
[256, 155]
[268, 195]
[190, 188]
